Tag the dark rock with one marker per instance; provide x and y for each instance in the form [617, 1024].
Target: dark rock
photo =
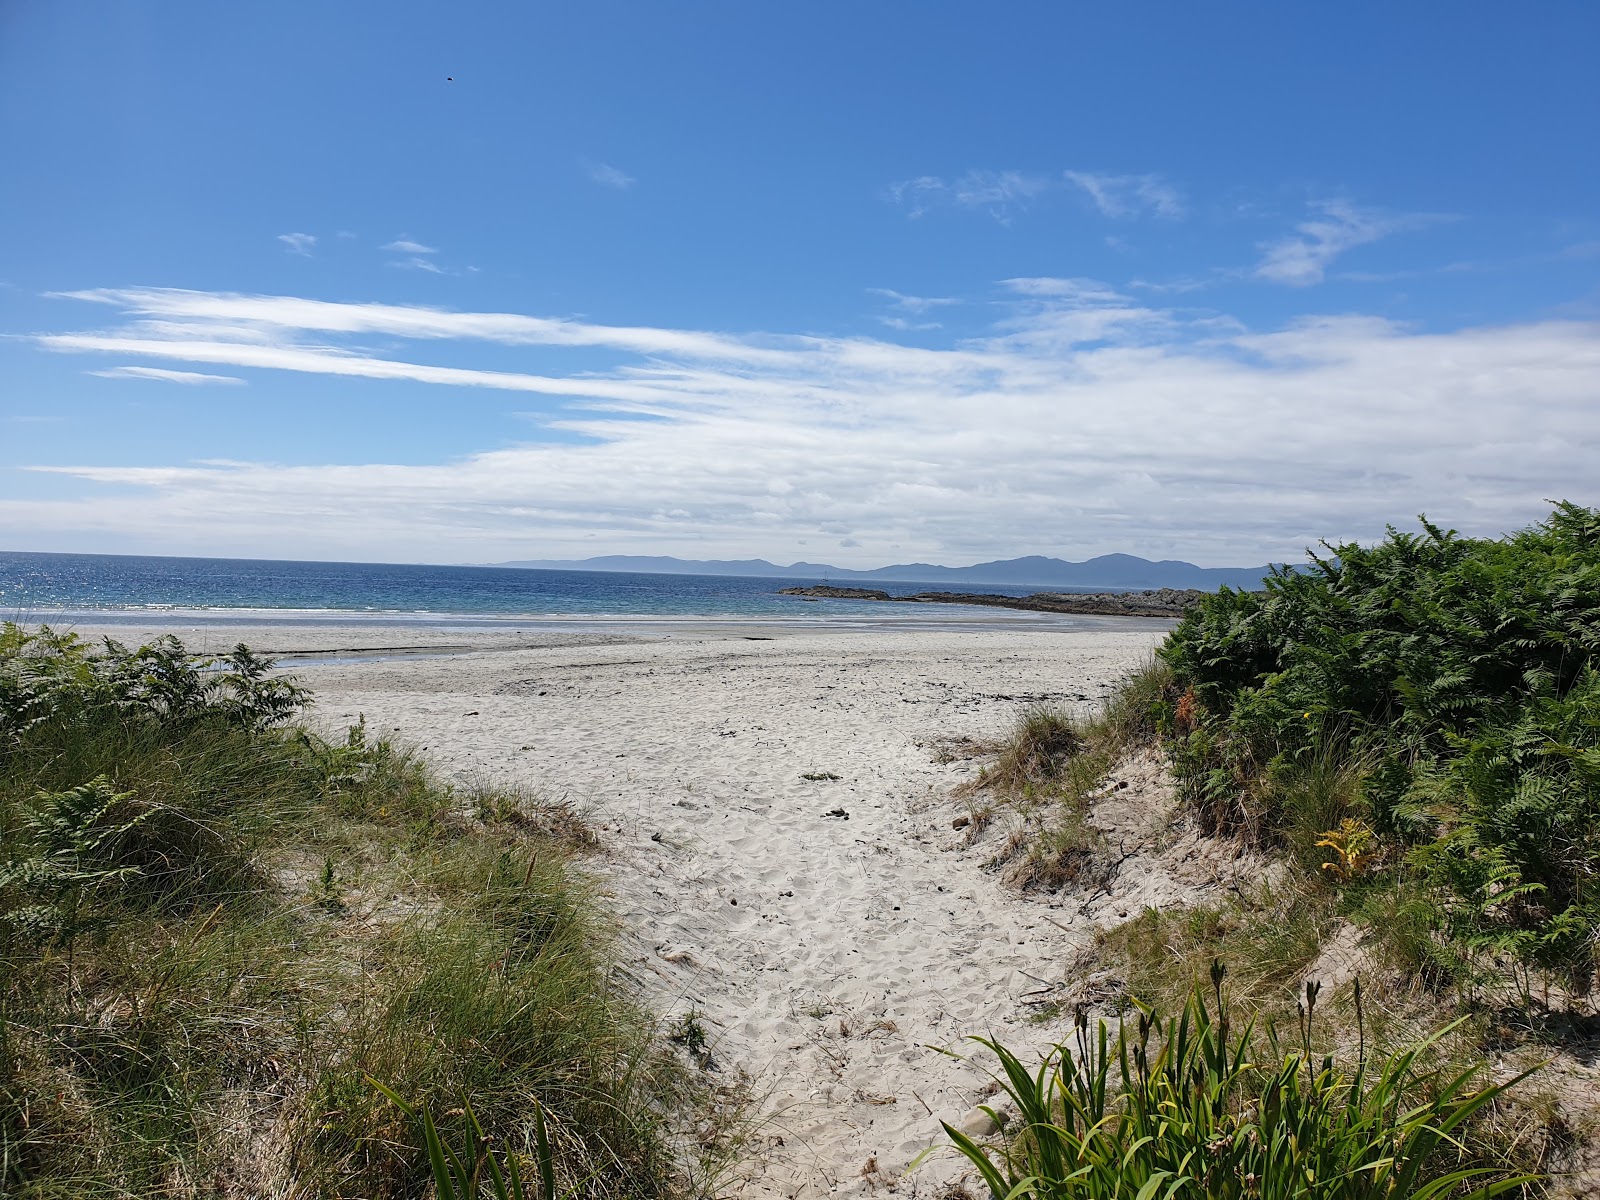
[1161, 602]
[827, 592]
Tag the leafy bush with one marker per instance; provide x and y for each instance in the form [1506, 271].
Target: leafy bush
[1456, 680]
[1190, 1109]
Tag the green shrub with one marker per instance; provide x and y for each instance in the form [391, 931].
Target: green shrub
[1443, 690]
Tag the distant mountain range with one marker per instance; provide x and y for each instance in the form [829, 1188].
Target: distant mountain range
[1111, 571]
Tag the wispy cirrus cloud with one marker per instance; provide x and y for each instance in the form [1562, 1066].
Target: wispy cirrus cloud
[608, 176]
[904, 309]
[1005, 194]
[413, 255]
[405, 245]
[1121, 196]
[1302, 258]
[298, 243]
[1001, 194]
[1083, 421]
[913, 304]
[192, 378]
[1079, 291]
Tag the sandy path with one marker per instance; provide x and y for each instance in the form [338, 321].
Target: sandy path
[827, 954]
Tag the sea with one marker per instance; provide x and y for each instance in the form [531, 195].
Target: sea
[148, 590]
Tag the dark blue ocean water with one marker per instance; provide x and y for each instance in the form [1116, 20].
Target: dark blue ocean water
[36, 585]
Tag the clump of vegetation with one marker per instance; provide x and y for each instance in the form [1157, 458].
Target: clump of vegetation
[1049, 770]
[219, 931]
[1424, 716]
[1271, 933]
[1190, 1108]
[1044, 742]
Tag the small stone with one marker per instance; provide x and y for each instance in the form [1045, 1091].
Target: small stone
[978, 1123]
[960, 822]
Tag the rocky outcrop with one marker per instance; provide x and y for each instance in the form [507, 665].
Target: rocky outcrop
[1161, 602]
[825, 592]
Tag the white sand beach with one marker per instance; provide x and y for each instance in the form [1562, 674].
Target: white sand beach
[834, 934]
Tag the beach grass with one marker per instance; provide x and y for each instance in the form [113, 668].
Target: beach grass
[1048, 772]
[221, 932]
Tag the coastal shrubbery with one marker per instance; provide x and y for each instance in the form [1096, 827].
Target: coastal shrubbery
[218, 931]
[1412, 731]
[1419, 718]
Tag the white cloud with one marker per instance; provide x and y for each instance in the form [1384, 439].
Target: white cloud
[178, 313]
[1085, 422]
[604, 173]
[404, 245]
[1128, 195]
[161, 373]
[906, 324]
[1001, 194]
[905, 308]
[298, 243]
[912, 304]
[1302, 258]
[1079, 290]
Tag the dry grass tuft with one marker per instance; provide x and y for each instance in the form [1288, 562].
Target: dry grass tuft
[1043, 741]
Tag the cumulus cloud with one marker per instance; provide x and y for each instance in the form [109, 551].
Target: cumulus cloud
[1082, 422]
[1303, 257]
[298, 243]
[192, 378]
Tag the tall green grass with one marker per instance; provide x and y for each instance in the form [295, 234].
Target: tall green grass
[1192, 1107]
[217, 929]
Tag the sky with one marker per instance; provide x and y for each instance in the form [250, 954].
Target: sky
[840, 282]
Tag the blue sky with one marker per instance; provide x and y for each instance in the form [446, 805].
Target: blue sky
[843, 282]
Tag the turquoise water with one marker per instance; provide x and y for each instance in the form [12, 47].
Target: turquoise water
[101, 587]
